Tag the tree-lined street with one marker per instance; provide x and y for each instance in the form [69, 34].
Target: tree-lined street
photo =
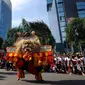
[31, 44]
[9, 78]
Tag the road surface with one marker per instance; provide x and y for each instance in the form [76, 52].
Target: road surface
[9, 78]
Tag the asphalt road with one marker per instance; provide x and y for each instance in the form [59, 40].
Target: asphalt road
[9, 78]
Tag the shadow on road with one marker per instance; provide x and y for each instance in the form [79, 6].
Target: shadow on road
[8, 73]
[63, 82]
[2, 77]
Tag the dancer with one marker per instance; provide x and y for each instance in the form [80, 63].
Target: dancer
[28, 56]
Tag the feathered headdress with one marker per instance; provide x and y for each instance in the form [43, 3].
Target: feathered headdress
[23, 44]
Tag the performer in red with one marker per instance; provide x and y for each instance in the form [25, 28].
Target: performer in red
[28, 57]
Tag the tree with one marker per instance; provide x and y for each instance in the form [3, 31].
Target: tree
[41, 29]
[11, 35]
[75, 31]
[43, 32]
[25, 26]
[1, 42]
[5, 44]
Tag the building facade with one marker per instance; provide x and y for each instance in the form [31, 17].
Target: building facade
[60, 13]
[5, 17]
[52, 16]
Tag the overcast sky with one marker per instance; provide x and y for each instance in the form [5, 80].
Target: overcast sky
[31, 10]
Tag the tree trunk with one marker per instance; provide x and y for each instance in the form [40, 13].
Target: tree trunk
[80, 47]
[72, 48]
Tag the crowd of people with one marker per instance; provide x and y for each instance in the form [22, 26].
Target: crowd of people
[6, 65]
[69, 63]
[63, 63]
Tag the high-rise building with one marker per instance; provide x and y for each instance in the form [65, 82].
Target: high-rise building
[5, 17]
[61, 12]
[53, 19]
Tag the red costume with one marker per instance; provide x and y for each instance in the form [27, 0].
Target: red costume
[30, 55]
[31, 62]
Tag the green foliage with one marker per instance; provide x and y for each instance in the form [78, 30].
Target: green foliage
[11, 35]
[43, 32]
[25, 26]
[5, 44]
[1, 42]
[39, 27]
[75, 31]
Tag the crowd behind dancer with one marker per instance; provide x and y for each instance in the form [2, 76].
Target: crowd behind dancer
[63, 63]
[69, 63]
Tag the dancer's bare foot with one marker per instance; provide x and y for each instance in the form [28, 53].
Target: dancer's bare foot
[83, 74]
[18, 79]
[70, 73]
